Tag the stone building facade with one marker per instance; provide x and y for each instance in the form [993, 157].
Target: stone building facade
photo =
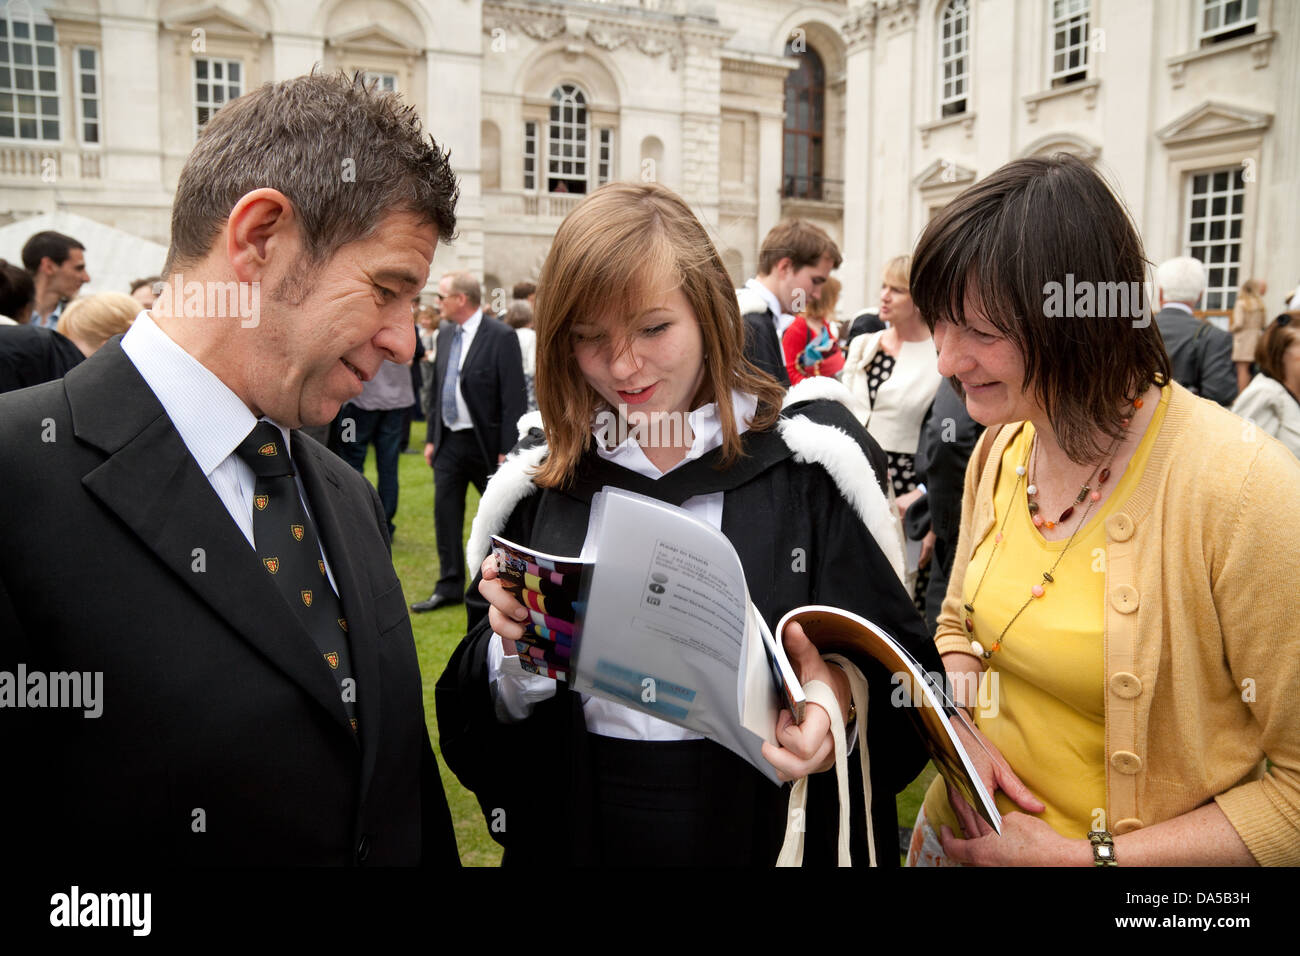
[865, 116]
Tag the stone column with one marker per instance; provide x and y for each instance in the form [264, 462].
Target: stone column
[859, 33]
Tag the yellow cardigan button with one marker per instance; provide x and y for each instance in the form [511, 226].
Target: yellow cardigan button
[1127, 825]
[1125, 761]
[1125, 685]
[1119, 527]
[1124, 599]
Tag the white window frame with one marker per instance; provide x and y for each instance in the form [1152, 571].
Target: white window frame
[82, 98]
[954, 50]
[1222, 295]
[1249, 16]
[579, 158]
[39, 96]
[211, 105]
[1066, 16]
[530, 153]
[384, 81]
[604, 155]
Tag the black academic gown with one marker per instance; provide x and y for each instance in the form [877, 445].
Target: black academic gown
[800, 543]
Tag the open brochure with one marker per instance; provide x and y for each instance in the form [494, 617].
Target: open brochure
[655, 615]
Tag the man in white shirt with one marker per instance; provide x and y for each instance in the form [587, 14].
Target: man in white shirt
[149, 559]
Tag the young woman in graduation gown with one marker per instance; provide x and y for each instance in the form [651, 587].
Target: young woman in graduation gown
[636, 318]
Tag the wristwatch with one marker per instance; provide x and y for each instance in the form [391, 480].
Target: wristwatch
[1103, 848]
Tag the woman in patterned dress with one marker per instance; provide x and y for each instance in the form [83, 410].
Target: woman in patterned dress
[895, 374]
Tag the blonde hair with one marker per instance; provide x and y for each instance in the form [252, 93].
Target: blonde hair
[612, 253]
[1249, 294]
[92, 321]
[823, 307]
[898, 271]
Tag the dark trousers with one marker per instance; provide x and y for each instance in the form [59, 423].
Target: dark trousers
[457, 464]
[384, 428]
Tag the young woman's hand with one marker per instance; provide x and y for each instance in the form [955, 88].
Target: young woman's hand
[505, 614]
[808, 747]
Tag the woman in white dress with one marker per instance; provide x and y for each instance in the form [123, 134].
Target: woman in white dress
[895, 374]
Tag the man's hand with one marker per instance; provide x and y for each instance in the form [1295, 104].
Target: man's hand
[501, 459]
[428, 453]
[927, 548]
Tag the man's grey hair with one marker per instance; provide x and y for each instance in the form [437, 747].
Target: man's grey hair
[344, 155]
[1181, 279]
[466, 283]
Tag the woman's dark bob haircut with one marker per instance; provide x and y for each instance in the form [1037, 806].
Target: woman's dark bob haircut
[1049, 256]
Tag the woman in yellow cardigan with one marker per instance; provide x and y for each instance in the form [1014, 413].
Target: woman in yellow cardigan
[1119, 579]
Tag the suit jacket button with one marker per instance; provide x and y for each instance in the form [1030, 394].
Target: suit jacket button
[363, 848]
[1127, 825]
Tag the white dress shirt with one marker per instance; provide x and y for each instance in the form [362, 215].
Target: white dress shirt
[516, 691]
[210, 419]
[781, 319]
[467, 332]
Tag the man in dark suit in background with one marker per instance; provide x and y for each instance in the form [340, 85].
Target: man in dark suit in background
[794, 262]
[197, 604]
[1200, 353]
[475, 404]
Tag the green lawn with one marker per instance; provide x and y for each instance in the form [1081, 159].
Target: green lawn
[437, 633]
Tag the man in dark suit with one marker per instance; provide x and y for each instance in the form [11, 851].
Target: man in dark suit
[475, 404]
[1200, 353]
[794, 262]
[198, 609]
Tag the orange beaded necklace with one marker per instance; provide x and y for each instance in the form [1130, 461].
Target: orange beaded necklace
[1086, 493]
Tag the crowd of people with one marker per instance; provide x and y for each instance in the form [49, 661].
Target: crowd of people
[1063, 509]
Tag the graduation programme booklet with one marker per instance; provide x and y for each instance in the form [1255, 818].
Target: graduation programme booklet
[655, 615]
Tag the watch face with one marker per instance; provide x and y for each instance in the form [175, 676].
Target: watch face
[1104, 853]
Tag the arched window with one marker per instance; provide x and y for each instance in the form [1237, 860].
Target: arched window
[568, 141]
[954, 58]
[805, 98]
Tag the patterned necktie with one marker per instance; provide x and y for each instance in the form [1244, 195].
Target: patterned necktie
[449, 411]
[290, 552]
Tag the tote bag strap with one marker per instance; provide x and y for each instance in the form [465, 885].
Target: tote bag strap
[796, 823]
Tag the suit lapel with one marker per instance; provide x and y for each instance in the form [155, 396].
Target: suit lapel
[476, 347]
[153, 485]
[341, 538]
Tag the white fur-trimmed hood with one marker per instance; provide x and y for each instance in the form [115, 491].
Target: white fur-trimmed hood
[831, 448]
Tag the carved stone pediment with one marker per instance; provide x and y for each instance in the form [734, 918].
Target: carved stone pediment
[1212, 120]
[375, 39]
[1054, 143]
[216, 22]
[943, 174]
